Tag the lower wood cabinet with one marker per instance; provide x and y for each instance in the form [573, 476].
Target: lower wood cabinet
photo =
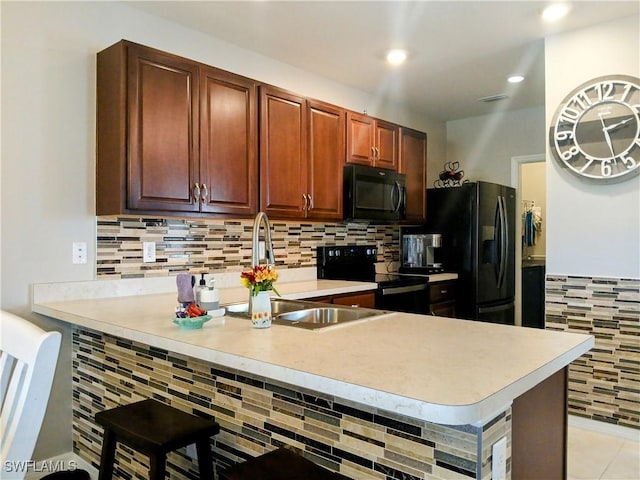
[359, 299]
[442, 298]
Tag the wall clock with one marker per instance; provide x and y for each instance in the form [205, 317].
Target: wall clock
[595, 132]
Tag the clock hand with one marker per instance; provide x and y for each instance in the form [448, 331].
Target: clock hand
[616, 125]
[605, 130]
[608, 139]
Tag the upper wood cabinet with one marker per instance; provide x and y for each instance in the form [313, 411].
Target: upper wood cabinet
[228, 143]
[173, 135]
[283, 166]
[301, 156]
[371, 141]
[326, 149]
[413, 163]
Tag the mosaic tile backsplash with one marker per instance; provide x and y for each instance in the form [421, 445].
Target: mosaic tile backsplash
[257, 415]
[195, 245]
[604, 384]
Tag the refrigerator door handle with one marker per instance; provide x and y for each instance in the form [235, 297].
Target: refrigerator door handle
[503, 240]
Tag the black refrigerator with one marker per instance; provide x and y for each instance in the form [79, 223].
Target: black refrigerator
[477, 223]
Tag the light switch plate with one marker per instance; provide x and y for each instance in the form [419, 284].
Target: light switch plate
[79, 253]
[148, 252]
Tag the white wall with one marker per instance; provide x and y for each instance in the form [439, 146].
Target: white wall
[48, 143]
[485, 144]
[593, 230]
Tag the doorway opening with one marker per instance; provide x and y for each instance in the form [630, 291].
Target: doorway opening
[528, 177]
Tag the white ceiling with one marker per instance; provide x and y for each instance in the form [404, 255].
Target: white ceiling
[460, 51]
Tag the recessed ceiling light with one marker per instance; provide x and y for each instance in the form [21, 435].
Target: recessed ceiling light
[555, 12]
[396, 56]
[515, 78]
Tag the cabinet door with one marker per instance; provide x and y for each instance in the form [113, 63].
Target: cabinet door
[360, 138]
[413, 163]
[364, 300]
[283, 174]
[163, 122]
[228, 143]
[326, 160]
[386, 145]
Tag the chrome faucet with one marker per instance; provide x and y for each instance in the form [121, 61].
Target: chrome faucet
[261, 218]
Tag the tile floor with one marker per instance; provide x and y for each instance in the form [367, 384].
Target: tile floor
[598, 456]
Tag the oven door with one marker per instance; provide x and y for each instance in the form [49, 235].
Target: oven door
[404, 298]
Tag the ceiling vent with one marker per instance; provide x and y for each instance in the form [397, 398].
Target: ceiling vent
[494, 98]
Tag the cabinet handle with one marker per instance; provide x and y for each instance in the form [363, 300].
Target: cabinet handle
[304, 196]
[205, 193]
[310, 201]
[443, 291]
[373, 153]
[196, 192]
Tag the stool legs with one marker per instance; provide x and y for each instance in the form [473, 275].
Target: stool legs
[205, 460]
[108, 455]
[157, 466]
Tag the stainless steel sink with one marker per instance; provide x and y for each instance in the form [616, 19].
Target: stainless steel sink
[309, 315]
[278, 306]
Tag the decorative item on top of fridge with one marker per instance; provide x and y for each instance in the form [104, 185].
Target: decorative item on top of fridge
[451, 176]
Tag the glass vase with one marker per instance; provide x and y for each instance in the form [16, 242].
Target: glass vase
[261, 310]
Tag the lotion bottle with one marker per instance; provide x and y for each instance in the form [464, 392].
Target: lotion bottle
[209, 298]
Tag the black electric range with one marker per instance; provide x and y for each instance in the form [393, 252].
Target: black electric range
[396, 292]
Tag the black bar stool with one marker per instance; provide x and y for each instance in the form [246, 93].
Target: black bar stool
[155, 429]
[280, 464]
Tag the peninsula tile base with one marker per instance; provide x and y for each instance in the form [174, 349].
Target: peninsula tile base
[257, 415]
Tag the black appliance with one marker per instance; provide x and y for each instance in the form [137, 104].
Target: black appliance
[477, 223]
[397, 293]
[373, 194]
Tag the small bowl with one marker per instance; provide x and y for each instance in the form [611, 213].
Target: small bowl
[191, 323]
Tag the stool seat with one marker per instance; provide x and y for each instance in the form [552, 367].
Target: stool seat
[280, 464]
[154, 429]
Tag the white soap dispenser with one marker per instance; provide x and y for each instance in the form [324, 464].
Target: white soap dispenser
[209, 298]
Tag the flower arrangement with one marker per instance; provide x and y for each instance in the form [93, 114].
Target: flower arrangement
[260, 279]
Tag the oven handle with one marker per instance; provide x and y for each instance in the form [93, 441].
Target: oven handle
[408, 289]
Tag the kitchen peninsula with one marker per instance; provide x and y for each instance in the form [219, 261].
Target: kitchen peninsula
[398, 395]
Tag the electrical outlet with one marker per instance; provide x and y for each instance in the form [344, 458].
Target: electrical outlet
[380, 247]
[148, 252]
[499, 460]
[79, 253]
[262, 250]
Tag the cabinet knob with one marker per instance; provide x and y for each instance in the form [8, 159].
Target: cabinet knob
[196, 192]
[205, 193]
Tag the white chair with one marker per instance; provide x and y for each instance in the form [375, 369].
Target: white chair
[28, 357]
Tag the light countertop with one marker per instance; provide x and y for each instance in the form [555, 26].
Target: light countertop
[432, 368]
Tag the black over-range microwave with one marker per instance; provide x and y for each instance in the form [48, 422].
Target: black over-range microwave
[373, 194]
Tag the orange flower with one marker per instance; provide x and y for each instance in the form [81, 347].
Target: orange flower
[260, 279]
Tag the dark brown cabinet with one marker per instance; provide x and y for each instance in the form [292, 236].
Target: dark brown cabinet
[442, 298]
[413, 163]
[301, 152]
[371, 141]
[153, 110]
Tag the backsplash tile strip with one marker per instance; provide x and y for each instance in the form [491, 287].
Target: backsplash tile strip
[188, 245]
[257, 415]
[604, 384]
